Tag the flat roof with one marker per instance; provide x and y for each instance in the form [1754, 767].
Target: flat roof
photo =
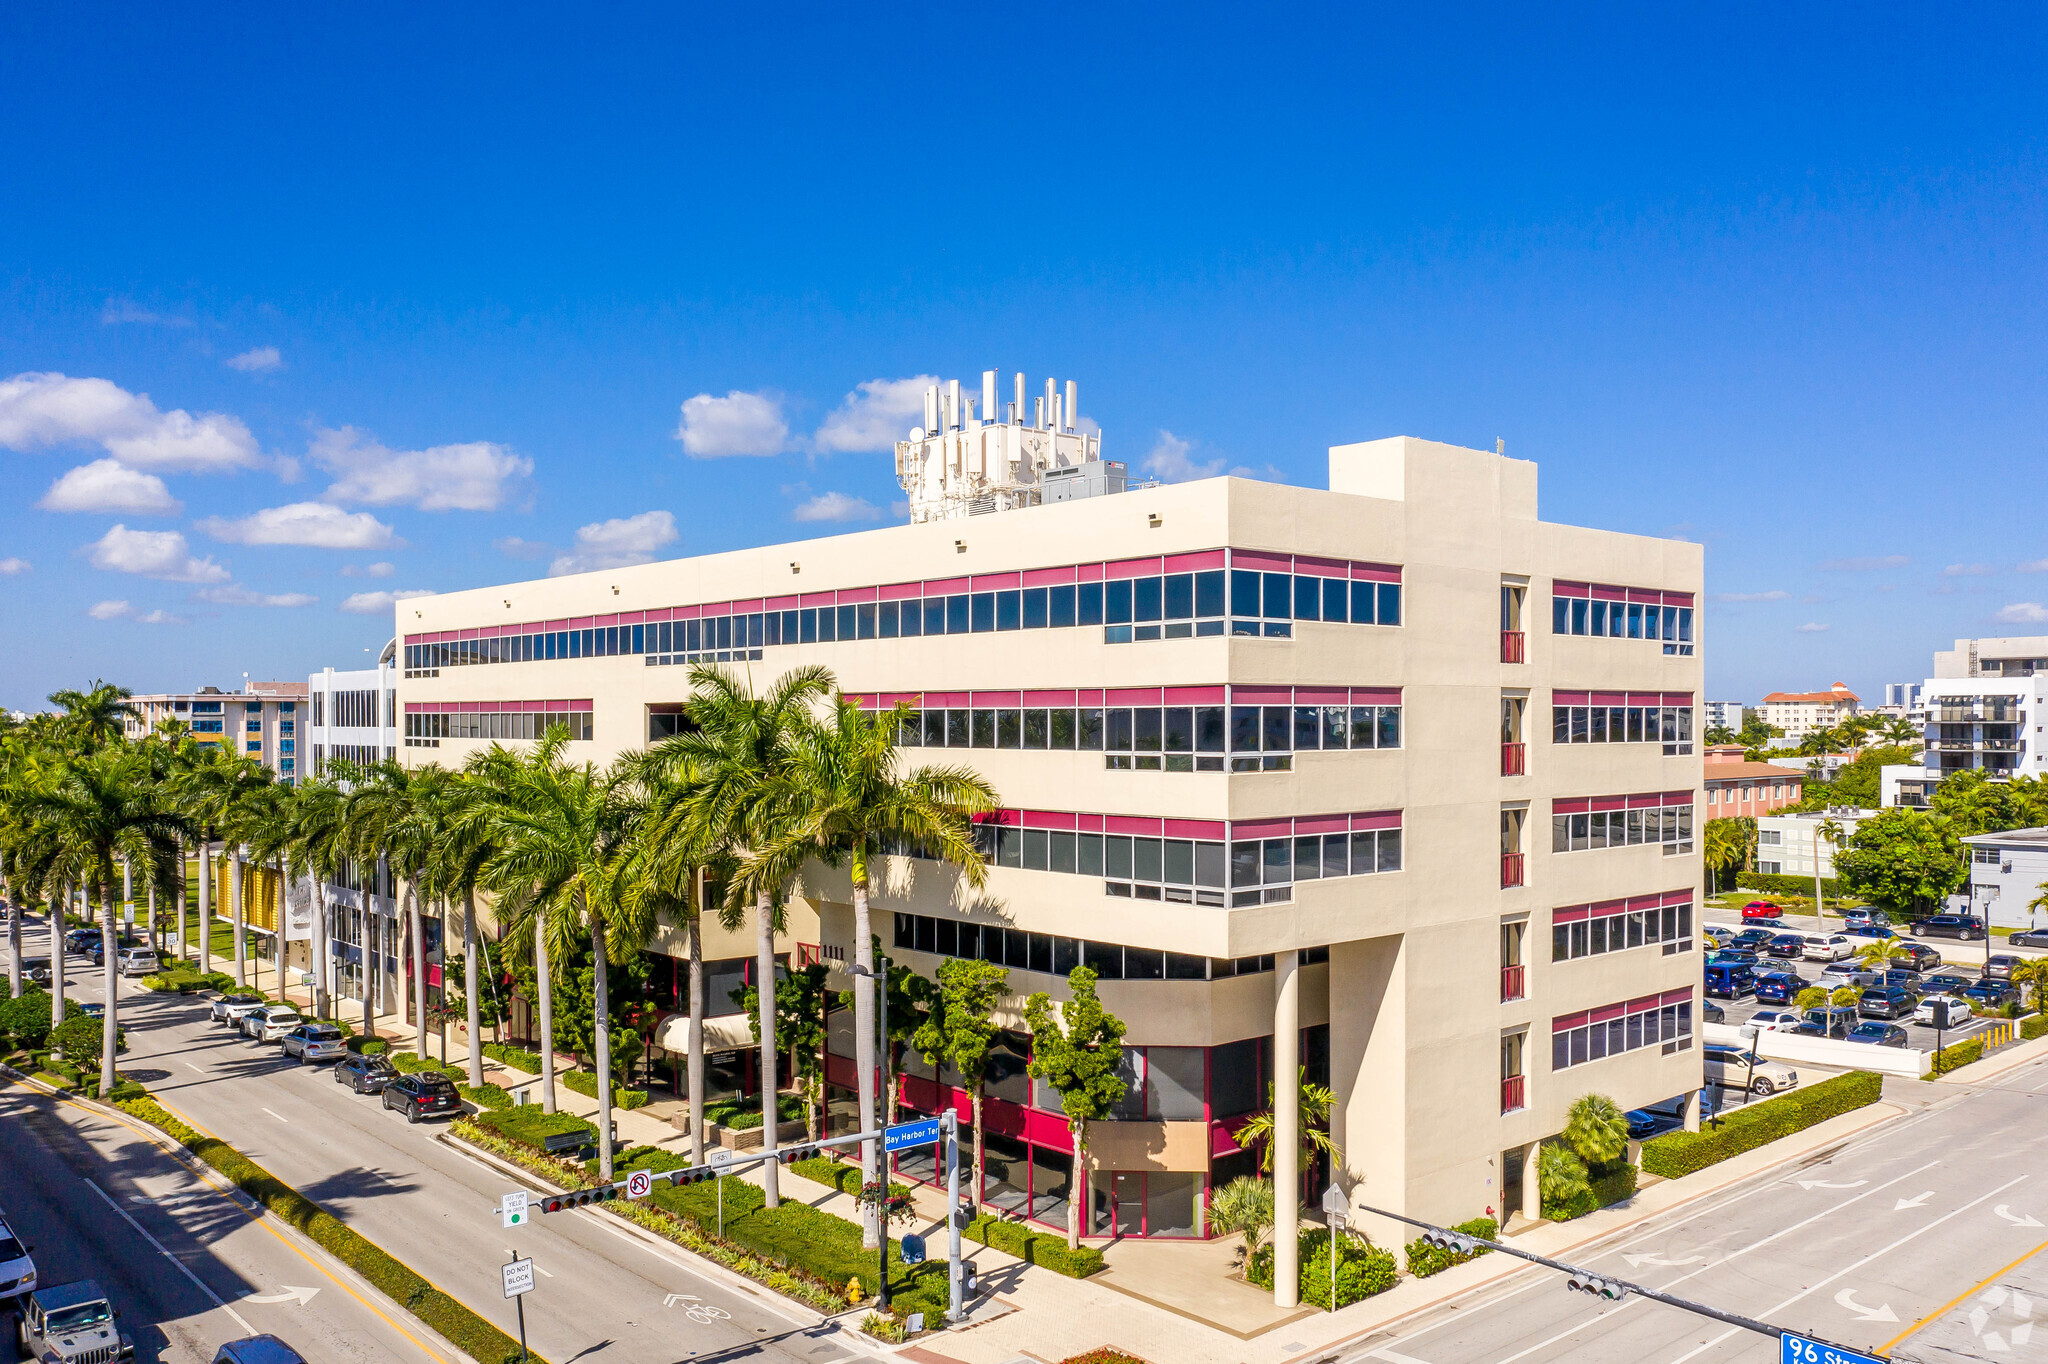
[2029, 838]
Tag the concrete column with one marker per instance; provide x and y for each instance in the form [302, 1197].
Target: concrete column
[1532, 1186]
[1286, 1128]
[1692, 1110]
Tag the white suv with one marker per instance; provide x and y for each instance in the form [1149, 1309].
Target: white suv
[17, 1270]
[1731, 1067]
[138, 961]
[1827, 946]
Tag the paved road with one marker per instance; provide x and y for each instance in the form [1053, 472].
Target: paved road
[182, 1261]
[1898, 1236]
[601, 1289]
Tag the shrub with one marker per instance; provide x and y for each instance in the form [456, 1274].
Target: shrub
[491, 1097]
[1561, 1181]
[1676, 1154]
[466, 1330]
[1363, 1269]
[1106, 1354]
[1772, 884]
[1035, 1248]
[528, 1061]
[1425, 1260]
[369, 1046]
[80, 1039]
[585, 1083]
[835, 1174]
[527, 1125]
[27, 1018]
[2037, 1026]
[744, 1115]
[1613, 1183]
[1953, 1057]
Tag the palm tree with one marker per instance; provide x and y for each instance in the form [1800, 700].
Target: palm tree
[1243, 1207]
[317, 843]
[1830, 833]
[208, 793]
[460, 863]
[95, 716]
[1316, 1103]
[494, 772]
[425, 799]
[395, 821]
[1596, 1129]
[1725, 847]
[742, 749]
[264, 823]
[1880, 953]
[848, 801]
[563, 827]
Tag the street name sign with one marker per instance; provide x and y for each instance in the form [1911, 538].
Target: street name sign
[719, 1157]
[904, 1134]
[518, 1277]
[1799, 1350]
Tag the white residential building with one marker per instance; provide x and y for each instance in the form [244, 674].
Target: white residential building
[1791, 845]
[1799, 713]
[262, 721]
[2007, 873]
[1723, 714]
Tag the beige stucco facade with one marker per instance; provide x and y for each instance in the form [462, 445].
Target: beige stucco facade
[1412, 990]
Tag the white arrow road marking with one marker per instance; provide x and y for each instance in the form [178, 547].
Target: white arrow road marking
[216, 1298]
[280, 1117]
[1638, 1261]
[1846, 1299]
[2005, 1211]
[302, 1296]
[1912, 1202]
[672, 1299]
[1824, 1184]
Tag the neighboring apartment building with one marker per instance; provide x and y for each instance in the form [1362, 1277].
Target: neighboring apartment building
[1901, 698]
[2004, 656]
[2008, 872]
[1984, 710]
[1792, 845]
[354, 714]
[1267, 762]
[1737, 788]
[261, 721]
[1799, 713]
[1723, 715]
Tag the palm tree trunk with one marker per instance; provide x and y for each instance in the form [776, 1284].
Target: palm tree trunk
[419, 971]
[241, 911]
[179, 891]
[764, 970]
[156, 932]
[474, 1011]
[58, 900]
[864, 1055]
[109, 958]
[547, 1018]
[14, 945]
[695, 1040]
[205, 906]
[601, 1008]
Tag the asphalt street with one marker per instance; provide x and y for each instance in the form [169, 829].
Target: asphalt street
[602, 1290]
[187, 1266]
[1901, 1237]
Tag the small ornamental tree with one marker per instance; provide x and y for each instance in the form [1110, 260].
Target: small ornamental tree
[961, 1031]
[1079, 1052]
[801, 1001]
[1596, 1130]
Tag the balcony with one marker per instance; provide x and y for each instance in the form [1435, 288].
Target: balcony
[1512, 1095]
[1511, 869]
[1514, 647]
[1514, 760]
[1513, 982]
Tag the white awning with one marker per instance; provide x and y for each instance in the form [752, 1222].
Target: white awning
[731, 1032]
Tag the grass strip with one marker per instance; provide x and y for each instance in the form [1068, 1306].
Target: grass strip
[462, 1327]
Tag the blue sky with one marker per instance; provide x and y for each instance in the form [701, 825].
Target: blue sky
[301, 308]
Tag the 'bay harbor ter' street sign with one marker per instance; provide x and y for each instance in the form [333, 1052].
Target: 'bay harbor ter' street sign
[920, 1133]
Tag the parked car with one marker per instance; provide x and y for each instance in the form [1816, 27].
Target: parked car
[1866, 930]
[17, 1268]
[1826, 946]
[137, 961]
[1845, 973]
[1778, 987]
[312, 1042]
[257, 1350]
[1946, 983]
[1918, 956]
[1865, 916]
[1887, 1001]
[96, 946]
[92, 1008]
[1943, 1011]
[1878, 1034]
[1732, 956]
[363, 1074]
[1786, 945]
[1717, 934]
[1752, 939]
[1761, 909]
[1990, 994]
[1711, 1012]
[1963, 926]
[270, 1022]
[1731, 981]
[36, 970]
[71, 1323]
[2029, 937]
[1998, 966]
[1771, 1020]
[1731, 1067]
[1832, 1021]
[428, 1093]
[76, 940]
[1903, 979]
[232, 1008]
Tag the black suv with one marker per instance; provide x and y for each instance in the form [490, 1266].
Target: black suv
[426, 1094]
[364, 1074]
[1889, 1001]
[1949, 926]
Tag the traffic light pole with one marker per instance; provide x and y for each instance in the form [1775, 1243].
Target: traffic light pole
[955, 1290]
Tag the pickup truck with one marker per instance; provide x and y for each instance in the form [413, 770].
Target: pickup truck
[71, 1323]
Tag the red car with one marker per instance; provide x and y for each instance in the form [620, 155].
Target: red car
[1761, 909]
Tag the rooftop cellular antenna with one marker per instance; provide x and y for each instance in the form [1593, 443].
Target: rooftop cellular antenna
[963, 463]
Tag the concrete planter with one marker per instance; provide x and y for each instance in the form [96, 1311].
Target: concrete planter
[749, 1139]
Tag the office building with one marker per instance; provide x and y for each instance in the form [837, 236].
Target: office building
[261, 721]
[1799, 713]
[1901, 698]
[353, 715]
[1394, 781]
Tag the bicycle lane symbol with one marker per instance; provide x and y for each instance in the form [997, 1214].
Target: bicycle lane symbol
[696, 1309]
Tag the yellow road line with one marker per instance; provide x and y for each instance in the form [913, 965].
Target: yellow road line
[162, 1140]
[1978, 1287]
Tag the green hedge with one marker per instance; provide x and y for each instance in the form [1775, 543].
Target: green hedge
[744, 1115]
[528, 1061]
[1957, 1055]
[1036, 1248]
[1363, 1269]
[1676, 1154]
[369, 1046]
[466, 1330]
[527, 1125]
[1788, 885]
[585, 1083]
[2031, 1028]
[1425, 1260]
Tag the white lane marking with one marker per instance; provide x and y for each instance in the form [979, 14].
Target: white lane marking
[144, 1234]
[280, 1117]
[1768, 1313]
[1824, 1184]
[1394, 1357]
[542, 1272]
[1638, 1261]
[676, 1262]
[200, 1069]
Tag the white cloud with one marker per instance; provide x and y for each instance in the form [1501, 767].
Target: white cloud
[1169, 461]
[1864, 563]
[11, 566]
[475, 475]
[1967, 571]
[153, 554]
[513, 547]
[119, 310]
[368, 570]
[737, 424]
[261, 360]
[54, 409]
[371, 603]
[314, 524]
[876, 415]
[616, 543]
[2032, 566]
[107, 485]
[836, 507]
[1773, 595]
[2023, 613]
[234, 594]
[1811, 628]
[121, 610]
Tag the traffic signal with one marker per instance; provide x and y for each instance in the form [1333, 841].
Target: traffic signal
[1597, 1286]
[695, 1176]
[790, 1155]
[1451, 1241]
[554, 1204]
